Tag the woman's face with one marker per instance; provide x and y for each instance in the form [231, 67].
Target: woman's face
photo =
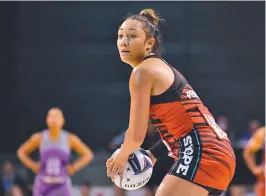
[55, 118]
[131, 42]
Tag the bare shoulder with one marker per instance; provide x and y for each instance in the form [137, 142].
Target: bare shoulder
[146, 69]
[140, 76]
[72, 136]
[140, 71]
[150, 64]
[36, 136]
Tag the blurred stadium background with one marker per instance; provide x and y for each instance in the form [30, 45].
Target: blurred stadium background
[64, 54]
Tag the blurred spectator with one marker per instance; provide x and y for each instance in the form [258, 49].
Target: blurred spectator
[16, 191]
[85, 189]
[253, 125]
[242, 190]
[9, 179]
[115, 144]
[223, 122]
[150, 190]
[151, 137]
[117, 141]
[118, 191]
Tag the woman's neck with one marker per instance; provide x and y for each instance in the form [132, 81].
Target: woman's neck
[135, 64]
[55, 132]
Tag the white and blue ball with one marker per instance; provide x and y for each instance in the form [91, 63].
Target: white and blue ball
[137, 171]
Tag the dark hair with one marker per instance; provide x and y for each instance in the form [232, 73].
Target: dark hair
[56, 108]
[87, 184]
[150, 22]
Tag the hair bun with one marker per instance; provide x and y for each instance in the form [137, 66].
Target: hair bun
[150, 15]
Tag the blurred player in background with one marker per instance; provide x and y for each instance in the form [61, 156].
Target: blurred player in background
[85, 189]
[256, 142]
[55, 145]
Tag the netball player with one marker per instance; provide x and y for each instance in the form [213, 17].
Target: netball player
[255, 143]
[55, 145]
[205, 161]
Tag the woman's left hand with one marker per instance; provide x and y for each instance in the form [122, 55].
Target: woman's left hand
[70, 170]
[116, 164]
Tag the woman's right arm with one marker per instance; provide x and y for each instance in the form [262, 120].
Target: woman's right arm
[26, 148]
[254, 144]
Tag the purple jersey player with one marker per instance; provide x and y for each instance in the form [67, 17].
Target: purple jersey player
[55, 144]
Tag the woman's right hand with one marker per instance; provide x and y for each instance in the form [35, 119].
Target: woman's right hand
[36, 167]
[258, 170]
[153, 159]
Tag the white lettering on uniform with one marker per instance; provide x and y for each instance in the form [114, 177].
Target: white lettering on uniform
[187, 156]
[191, 93]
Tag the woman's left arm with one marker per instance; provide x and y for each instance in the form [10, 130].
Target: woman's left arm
[140, 85]
[86, 154]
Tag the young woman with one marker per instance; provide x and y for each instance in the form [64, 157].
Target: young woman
[256, 142]
[55, 146]
[205, 161]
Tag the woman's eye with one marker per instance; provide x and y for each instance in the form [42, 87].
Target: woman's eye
[132, 36]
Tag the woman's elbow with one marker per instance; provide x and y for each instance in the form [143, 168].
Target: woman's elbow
[89, 155]
[20, 153]
[245, 153]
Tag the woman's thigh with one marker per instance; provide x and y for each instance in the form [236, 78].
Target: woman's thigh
[175, 186]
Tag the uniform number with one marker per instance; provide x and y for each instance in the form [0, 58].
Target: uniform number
[53, 166]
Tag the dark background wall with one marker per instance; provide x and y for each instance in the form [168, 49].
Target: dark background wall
[64, 54]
